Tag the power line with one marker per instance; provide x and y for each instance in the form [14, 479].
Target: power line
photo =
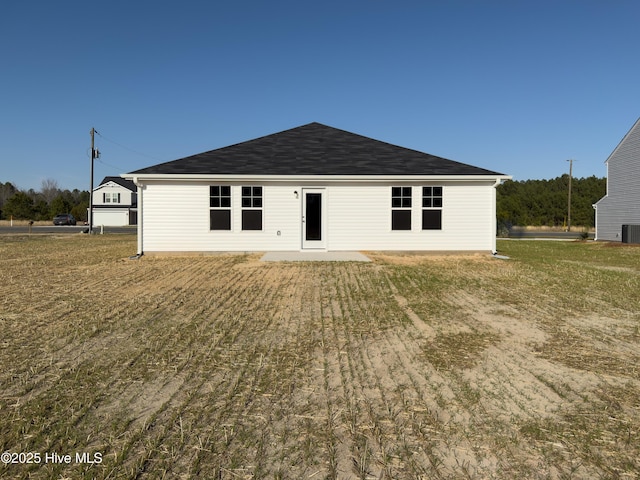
[117, 167]
[129, 149]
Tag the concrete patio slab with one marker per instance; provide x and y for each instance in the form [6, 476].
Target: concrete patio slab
[314, 257]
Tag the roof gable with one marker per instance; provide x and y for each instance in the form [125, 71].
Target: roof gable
[128, 184]
[314, 149]
[632, 138]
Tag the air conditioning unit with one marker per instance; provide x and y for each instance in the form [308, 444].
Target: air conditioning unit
[630, 233]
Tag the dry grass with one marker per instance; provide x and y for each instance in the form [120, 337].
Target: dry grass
[22, 223]
[409, 367]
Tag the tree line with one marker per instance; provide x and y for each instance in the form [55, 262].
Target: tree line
[44, 204]
[545, 202]
[525, 202]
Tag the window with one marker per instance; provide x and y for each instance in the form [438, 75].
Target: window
[111, 197]
[432, 208]
[431, 197]
[251, 208]
[220, 207]
[400, 208]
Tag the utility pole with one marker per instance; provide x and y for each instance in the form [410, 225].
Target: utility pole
[94, 154]
[569, 201]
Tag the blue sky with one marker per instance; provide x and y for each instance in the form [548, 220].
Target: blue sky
[513, 86]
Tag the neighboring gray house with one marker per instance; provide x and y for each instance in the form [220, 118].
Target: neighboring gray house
[315, 187]
[621, 205]
[115, 202]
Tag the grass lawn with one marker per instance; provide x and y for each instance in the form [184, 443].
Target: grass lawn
[409, 367]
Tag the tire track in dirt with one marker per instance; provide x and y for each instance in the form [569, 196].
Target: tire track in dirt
[435, 417]
[232, 332]
[365, 387]
[337, 442]
[521, 368]
[94, 357]
[521, 391]
[234, 368]
[77, 346]
[436, 403]
[442, 418]
[69, 346]
[530, 387]
[370, 444]
[246, 396]
[115, 377]
[309, 414]
[504, 367]
[254, 393]
[375, 431]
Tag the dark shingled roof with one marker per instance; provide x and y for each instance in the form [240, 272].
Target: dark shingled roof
[120, 181]
[314, 149]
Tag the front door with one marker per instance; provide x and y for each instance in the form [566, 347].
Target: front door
[313, 215]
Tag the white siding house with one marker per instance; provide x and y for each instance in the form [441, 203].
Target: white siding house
[315, 188]
[621, 205]
[115, 202]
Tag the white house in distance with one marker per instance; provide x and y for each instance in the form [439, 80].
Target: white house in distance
[115, 202]
[621, 204]
[315, 187]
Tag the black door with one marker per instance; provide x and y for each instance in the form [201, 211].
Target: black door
[313, 216]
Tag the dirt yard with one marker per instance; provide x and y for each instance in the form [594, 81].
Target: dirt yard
[409, 367]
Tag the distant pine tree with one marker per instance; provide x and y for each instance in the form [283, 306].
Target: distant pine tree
[544, 202]
[34, 205]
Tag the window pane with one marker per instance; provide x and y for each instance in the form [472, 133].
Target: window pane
[225, 202]
[432, 197]
[401, 220]
[246, 191]
[225, 190]
[257, 191]
[395, 191]
[246, 202]
[406, 202]
[432, 219]
[220, 219]
[214, 191]
[252, 220]
[257, 202]
[406, 191]
[396, 202]
[214, 202]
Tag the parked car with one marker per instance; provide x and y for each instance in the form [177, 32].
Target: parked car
[64, 219]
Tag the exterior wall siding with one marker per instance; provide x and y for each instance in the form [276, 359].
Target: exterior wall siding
[117, 217]
[176, 218]
[358, 217]
[621, 205]
[126, 195]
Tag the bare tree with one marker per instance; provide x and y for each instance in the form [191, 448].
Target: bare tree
[49, 189]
